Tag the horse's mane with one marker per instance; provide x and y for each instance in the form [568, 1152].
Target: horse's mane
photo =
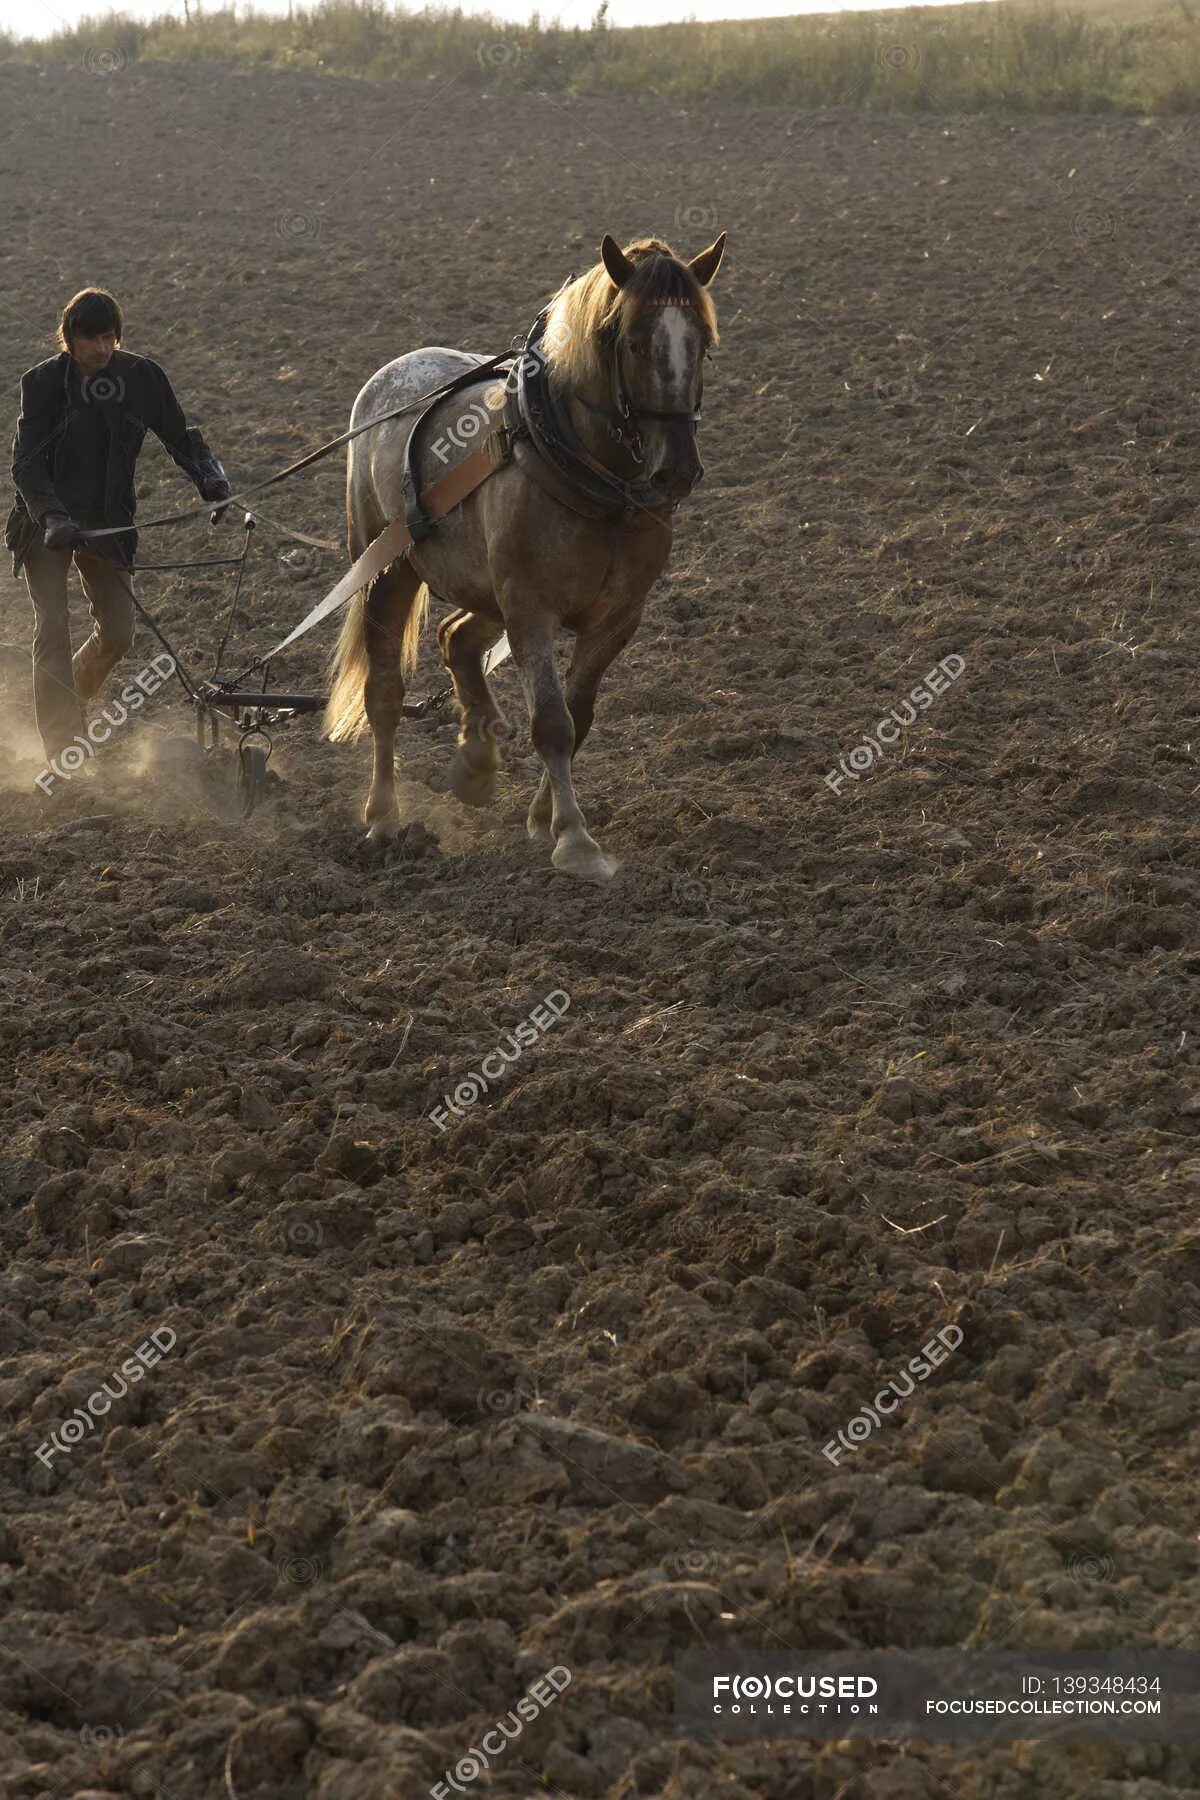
[592, 304]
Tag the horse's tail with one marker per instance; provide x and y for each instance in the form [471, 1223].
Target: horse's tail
[414, 625]
[346, 713]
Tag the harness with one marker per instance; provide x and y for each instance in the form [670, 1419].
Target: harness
[535, 433]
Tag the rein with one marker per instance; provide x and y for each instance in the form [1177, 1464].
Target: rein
[304, 462]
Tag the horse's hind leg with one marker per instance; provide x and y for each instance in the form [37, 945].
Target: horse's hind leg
[388, 608]
[575, 851]
[464, 640]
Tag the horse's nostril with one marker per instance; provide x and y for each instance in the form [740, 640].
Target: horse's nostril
[660, 479]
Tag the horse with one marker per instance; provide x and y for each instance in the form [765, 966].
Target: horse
[568, 532]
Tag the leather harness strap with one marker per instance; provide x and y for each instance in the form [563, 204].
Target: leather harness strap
[416, 509]
[447, 492]
[533, 462]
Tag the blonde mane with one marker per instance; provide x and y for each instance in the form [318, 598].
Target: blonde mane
[593, 305]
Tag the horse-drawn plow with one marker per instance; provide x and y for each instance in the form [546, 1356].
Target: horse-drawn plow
[588, 447]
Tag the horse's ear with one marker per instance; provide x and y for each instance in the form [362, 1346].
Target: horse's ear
[615, 260]
[705, 266]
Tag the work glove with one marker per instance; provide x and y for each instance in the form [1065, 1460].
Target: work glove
[61, 532]
[215, 487]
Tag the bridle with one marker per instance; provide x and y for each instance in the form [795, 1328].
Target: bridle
[626, 428]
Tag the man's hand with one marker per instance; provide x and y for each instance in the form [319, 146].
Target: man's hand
[215, 487]
[61, 532]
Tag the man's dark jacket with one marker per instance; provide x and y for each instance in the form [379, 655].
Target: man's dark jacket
[131, 397]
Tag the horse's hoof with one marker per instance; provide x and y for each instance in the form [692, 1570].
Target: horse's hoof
[538, 827]
[474, 787]
[383, 831]
[581, 856]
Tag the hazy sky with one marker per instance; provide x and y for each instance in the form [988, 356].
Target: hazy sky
[36, 18]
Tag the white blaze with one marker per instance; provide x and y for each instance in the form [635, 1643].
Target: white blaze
[677, 326]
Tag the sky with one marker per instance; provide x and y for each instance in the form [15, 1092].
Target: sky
[37, 18]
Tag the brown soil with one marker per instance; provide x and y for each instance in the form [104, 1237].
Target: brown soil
[448, 1409]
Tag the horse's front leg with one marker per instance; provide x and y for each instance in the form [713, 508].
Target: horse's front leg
[553, 730]
[388, 605]
[595, 650]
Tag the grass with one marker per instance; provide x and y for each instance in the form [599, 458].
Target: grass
[970, 58]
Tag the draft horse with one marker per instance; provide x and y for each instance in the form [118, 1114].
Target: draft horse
[592, 445]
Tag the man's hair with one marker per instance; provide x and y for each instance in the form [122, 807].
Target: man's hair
[91, 313]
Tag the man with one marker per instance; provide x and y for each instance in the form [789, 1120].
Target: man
[84, 415]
